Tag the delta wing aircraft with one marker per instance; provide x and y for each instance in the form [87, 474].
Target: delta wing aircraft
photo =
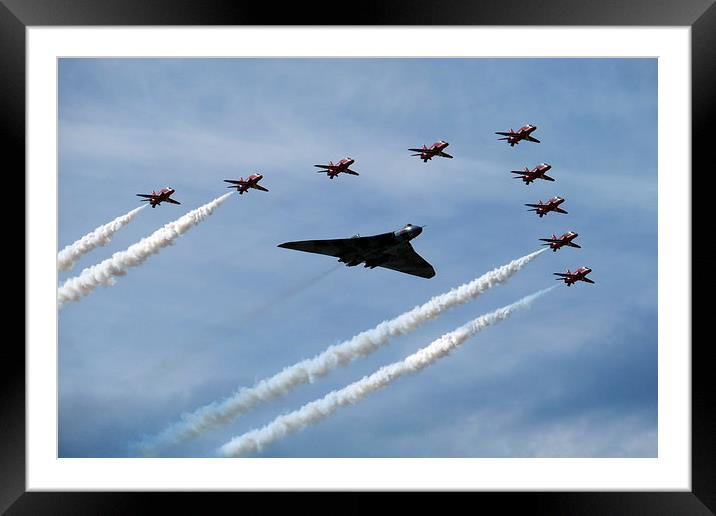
[390, 250]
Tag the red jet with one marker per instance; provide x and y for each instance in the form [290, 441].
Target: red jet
[242, 185]
[523, 133]
[159, 197]
[555, 242]
[572, 277]
[342, 166]
[544, 208]
[436, 149]
[539, 172]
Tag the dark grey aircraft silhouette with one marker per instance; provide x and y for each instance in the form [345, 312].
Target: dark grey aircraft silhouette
[390, 250]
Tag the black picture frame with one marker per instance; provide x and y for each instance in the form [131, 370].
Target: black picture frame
[700, 15]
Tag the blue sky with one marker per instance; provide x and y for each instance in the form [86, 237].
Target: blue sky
[575, 376]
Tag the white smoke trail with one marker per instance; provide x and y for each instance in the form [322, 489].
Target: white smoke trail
[315, 411]
[67, 258]
[219, 413]
[104, 273]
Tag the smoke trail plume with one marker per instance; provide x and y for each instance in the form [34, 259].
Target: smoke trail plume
[67, 258]
[315, 411]
[219, 413]
[104, 273]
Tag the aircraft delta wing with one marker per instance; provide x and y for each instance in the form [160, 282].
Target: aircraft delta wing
[384, 250]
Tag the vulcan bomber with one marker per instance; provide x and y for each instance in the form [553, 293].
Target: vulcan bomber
[390, 250]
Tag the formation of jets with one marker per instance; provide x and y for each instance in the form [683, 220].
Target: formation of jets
[524, 133]
[393, 250]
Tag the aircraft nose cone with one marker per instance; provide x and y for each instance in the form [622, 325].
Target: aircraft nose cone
[417, 230]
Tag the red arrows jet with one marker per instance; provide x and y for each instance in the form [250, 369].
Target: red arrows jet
[523, 133]
[539, 172]
[572, 277]
[555, 242]
[544, 208]
[436, 149]
[159, 197]
[242, 185]
[334, 169]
